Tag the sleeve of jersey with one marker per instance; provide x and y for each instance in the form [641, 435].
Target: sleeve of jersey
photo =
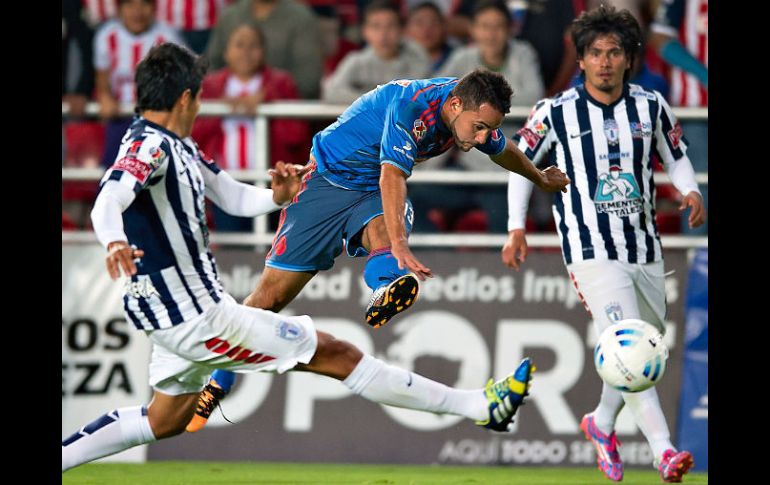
[136, 166]
[398, 146]
[672, 148]
[494, 144]
[107, 214]
[536, 132]
[668, 17]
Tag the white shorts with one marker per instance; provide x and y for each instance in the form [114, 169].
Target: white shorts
[615, 290]
[228, 336]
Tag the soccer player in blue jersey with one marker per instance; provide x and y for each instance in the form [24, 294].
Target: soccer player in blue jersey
[603, 134]
[150, 216]
[355, 198]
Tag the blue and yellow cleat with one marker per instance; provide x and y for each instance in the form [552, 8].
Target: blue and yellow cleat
[506, 395]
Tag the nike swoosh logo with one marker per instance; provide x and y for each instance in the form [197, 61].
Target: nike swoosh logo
[409, 384]
[582, 133]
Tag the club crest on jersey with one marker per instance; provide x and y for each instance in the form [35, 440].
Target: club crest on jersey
[618, 193]
[419, 129]
[611, 131]
[614, 311]
[290, 330]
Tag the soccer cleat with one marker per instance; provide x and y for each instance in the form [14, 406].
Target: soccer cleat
[506, 395]
[673, 465]
[207, 400]
[607, 454]
[390, 300]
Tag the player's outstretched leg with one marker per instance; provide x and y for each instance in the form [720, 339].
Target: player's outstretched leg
[220, 384]
[505, 396]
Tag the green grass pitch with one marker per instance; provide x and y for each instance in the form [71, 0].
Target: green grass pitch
[222, 473]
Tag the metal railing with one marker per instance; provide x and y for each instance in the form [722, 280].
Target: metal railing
[314, 110]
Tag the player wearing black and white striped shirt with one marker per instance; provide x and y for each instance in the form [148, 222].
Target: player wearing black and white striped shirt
[603, 134]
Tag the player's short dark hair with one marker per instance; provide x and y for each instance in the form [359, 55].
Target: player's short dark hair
[484, 86]
[378, 6]
[498, 5]
[164, 74]
[606, 20]
[429, 5]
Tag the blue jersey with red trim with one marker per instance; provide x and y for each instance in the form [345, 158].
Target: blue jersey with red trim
[398, 123]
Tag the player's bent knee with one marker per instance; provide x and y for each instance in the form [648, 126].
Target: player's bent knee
[340, 351]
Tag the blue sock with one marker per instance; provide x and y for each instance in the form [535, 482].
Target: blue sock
[381, 268]
[224, 378]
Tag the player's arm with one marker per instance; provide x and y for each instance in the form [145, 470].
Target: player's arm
[393, 189]
[107, 221]
[672, 148]
[533, 141]
[245, 200]
[512, 159]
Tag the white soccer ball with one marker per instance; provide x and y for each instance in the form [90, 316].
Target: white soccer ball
[630, 355]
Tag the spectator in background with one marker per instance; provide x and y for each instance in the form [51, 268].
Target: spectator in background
[546, 26]
[292, 35]
[119, 45]
[77, 74]
[426, 26]
[387, 56]
[494, 49]
[680, 35]
[245, 83]
[193, 18]
[96, 12]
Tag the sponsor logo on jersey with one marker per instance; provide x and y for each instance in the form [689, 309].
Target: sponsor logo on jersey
[140, 289]
[530, 137]
[419, 129]
[135, 167]
[641, 130]
[675, 135]
[618, 193]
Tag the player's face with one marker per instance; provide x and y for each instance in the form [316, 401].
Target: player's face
[244, 54]
[426, 28]
[382, 31]
[490, 32]
[604, 63]
[473, 128]
[137, 15]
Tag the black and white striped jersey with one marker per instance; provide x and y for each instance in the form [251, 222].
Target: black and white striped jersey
[177, 278]
[608, 211]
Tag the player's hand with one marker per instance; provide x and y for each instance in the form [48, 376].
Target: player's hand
[407, 260]
[108, 107]
[516, 243]
[697, 211]
[287, 179]
[121, 256]
[554, 180]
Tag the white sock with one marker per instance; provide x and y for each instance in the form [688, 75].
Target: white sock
[377, 381]
[608, 409]
[115, 431]
[648, 415]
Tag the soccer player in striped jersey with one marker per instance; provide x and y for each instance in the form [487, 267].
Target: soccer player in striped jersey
[150, 216]
[355, 198]
[603, 134]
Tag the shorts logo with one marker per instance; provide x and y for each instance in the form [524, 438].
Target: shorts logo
[237, 353]
[419, 129]
[290, 331]
[496, 135]
[614, 311]
[280, 246]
